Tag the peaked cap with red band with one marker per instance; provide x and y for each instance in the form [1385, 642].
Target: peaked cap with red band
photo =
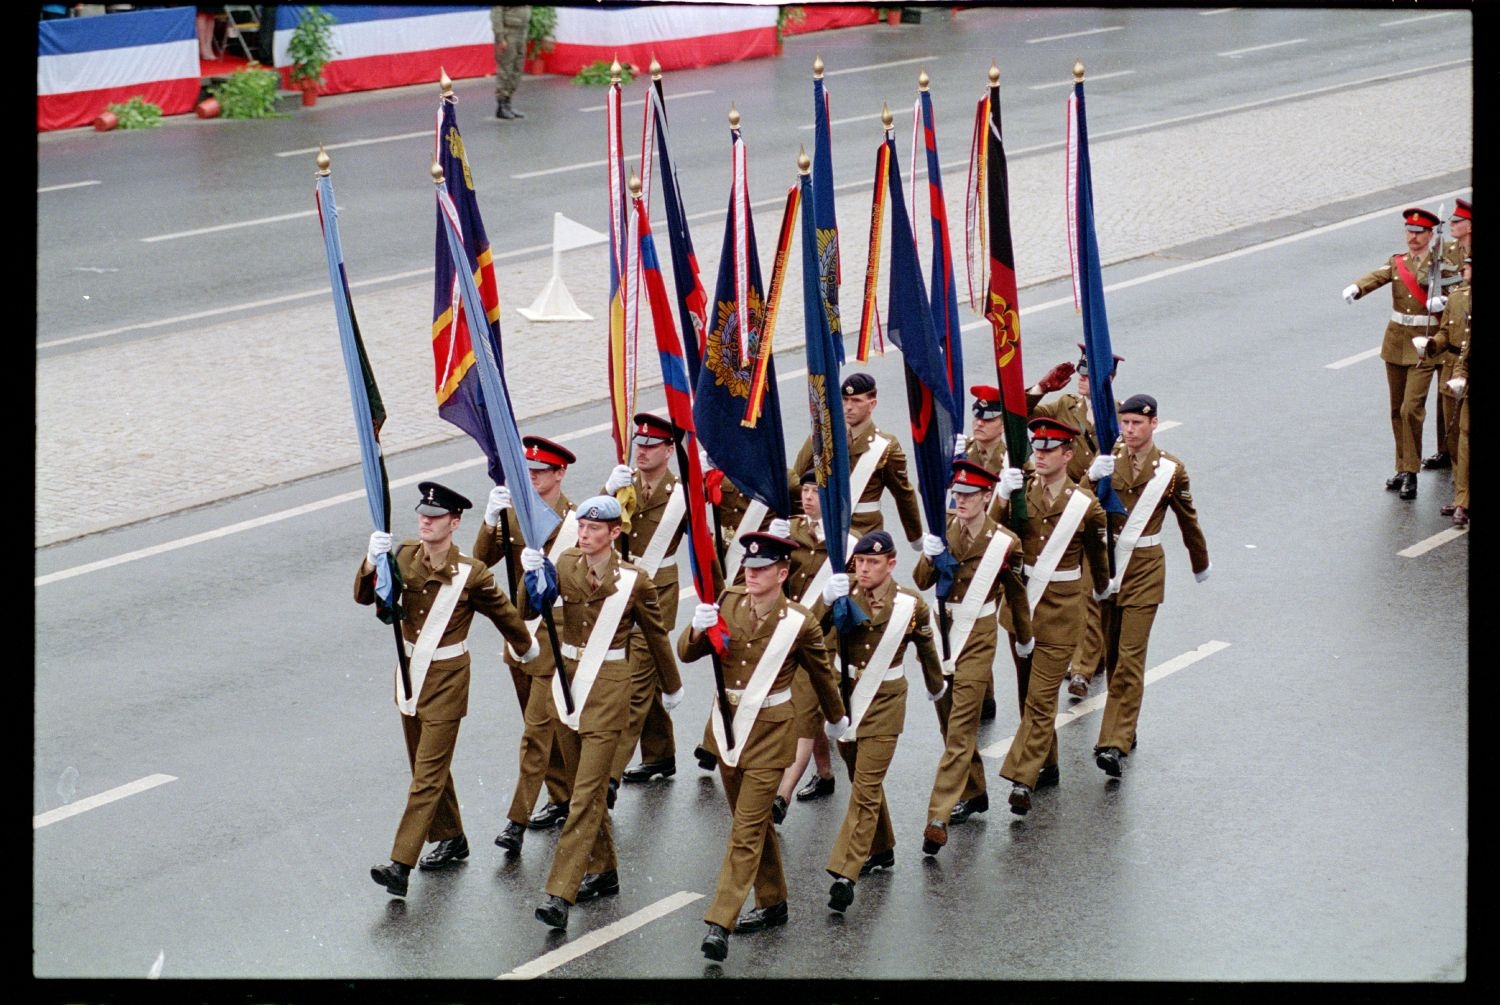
[1048, 433]
[652, 429]
[1463, 210]
[1419, 219]
[986, 401]
[971, 477]
[542, 453]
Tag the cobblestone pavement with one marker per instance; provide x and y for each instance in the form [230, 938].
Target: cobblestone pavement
[164, 423]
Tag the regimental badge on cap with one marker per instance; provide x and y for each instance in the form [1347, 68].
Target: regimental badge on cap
[876, 542]
[652, 429]
[1139, 404]
[603, 509]
[763, 549]
[970, 477]
[439, 500]
[986, 401]
[1418, 219]
[1049, 434]
[858, 383]
[542, 454]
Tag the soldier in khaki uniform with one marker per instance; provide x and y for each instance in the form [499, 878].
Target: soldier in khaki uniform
[540, 758]
[656, 529]
[509, 25]
[897, 616]
[1408, 374]
[435, 576]
[769, 639]
[1460, 225]
[1063, 524]
[1457, 385]
[594, 632]
[1149, 481]
[984, 551]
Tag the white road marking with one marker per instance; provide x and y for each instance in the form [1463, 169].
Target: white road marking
[356, 143]
[879, 66]
[839, 122]
[1259, 48]
[1162, 427]
[71, 184]
[1358, 357]
[1088, 705]
[1068, 83]
[590, 941]
[94, 802]
[1442, 537]
[1216, 10]
[642, 101]
[1073, 34]
[571, 167]
[229, 226]
[1419, 17]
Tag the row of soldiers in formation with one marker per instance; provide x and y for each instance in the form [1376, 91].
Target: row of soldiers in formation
[1428, 335]
[1042, 590]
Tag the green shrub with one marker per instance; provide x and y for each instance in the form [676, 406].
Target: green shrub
[597, 73]
[249, 94]
[539, 31]
[137, 113]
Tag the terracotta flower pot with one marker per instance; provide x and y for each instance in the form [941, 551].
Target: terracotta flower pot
[208, 108]
[893, 17]
[534, 66]
[106, 121]
[309, 95]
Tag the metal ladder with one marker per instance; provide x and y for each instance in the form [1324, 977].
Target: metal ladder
[244, 19]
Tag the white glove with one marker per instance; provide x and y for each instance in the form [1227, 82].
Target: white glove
[1458, 385]
[1011, 479]
[671, 701]
[705, 616]
[947, 672]
[1023, 649]
[940, 692]
[1201, 576]
[958, 444]
[1424, 345]
[618, 478]
[1351, 293]
[836, 587]
[499, 501]
[836, 729]
[380, 544]
[533, 652]
[532, 559]
[1109, 591]
[780, 528]
[704, 460]
[932, 545]
[1101, 467]
[1435, 305]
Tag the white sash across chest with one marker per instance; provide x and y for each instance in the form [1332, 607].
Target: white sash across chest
[968, 609]
[428, 638]
[880, 660]
[1139, 515]
[1052, 552]
[756, 690]
[656, 548]
[734, 554]
[865, 468]
[594, 651]
[820, 578]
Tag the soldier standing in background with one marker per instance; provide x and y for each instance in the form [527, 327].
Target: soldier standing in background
[509, 25]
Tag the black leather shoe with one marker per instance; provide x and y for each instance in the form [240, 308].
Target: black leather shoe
[1108, 759]
[609, 798]
[778, 810]
[1393, 482]
[934, 836]
[551, 815]
[1048, 778]
[840, 894]
[965, 808]
[1078, 685]
[553, 913]
[1020, 800]
[447, 851]
[880, 860]
[716, 942]
[645, 772]
[511, 837]
[706, 760]
[392, 877]
[599, 884]
[1409, 485]
[758, 919]
[1438, 461]
[987, 710]
[816, 788]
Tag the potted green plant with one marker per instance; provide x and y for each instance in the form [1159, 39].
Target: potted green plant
[539, 38]
[311, 48]
[248, 94]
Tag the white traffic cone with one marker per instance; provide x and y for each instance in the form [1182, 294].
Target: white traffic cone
[555, 303]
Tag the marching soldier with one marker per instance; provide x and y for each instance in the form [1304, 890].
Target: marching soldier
[988, 560]
[1063, 523]
[656, 528]
[1149, 481]
[540, 757]
[769, 639]
[877, 712]
[1407, 373]
[442, 591]
[1460, 225]
[604, 600]
[1456, 312]
[986, 447]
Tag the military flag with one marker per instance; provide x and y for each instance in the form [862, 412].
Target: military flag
[943, 287]
[830, 267]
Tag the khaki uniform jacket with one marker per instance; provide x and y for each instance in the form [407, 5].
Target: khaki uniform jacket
[889, 474]
[1056, 616]
[805, 562]
[887, 712]
[1453, 331]
[1461, 368]
[445, 693]
[1397, 347]
[978, 655]
[1146, 577]
[488, 548]
[649, 511]
[731, 510]
[1073, 409]
[767, 746]
[581, 607]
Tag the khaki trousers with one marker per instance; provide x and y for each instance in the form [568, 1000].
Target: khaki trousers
[552, 769]
[645, 708]
[1127, 683]
[587, 841]
[960, 772]
[1089, 654]
[1035, 743]
[1408, 399]
[867, 822]
[431, 804]
[753, 856]
[1461, 456]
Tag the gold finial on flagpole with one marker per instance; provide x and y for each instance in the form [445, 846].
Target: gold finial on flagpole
[614, 70]
[635, 185]
[804, 163]
[323, 161]
[437, 173]
[923, 80]
[886, 118]
[994, 75]
[445, 82]
[655, 68]
[734, 117]
[818, 67]
[1077, 71]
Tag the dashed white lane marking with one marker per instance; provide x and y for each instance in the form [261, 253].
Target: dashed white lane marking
[839, 122]
[229, 226]
[1358, 357]
[94, 802]
[571, 167]
[71, 184]
[642, 101]
[1260, 48]
[1073, 34]
[1419, 17]
[426, 133]
[1088, 705]
[1437, 540]
[1216, 10]
[1068, 83]
[590, 941]
[879, 66]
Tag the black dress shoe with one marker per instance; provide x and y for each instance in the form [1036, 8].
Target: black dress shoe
[965, 808]
[758, 919]
[841, 894]
[511, 837]
[1048, 778]
[706, 760]
[1438, 461]
[1409, 485]
[599, 884]
[880, 860]
[609, 797]
[1020, 800]
[987, 710]
[778, 809]
[716, 942]
[551, 815]
[934, 836]
[1108, 759]
[1078, 685]
[643, 772]
[447, 851]
[392, 877]
[816, 788]
[553, 913]
[1393, 482]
